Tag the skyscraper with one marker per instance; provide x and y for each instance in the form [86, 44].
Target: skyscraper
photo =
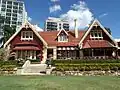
[56, 24]
[14, 13]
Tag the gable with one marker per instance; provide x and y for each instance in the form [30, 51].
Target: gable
[96, 24]
[26, 27]
[62, 31]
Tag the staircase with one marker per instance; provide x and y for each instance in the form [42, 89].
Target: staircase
[33, 69]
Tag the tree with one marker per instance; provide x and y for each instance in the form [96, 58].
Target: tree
[108, 29]
[5, 30]
[8, 32]
[2, 20]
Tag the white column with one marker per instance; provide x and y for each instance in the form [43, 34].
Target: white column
[20, 53]
[30, 54]
[44, 55]
[92, 53]
[34, 54]
[54, 53]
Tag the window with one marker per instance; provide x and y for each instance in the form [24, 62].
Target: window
[3, 2]
[13, 22]
[8, 10]
[15, 3]
[9, 2]
[2, 9]
[8, 18]
[19, 23]
[20, 8]
[62, 38]
[27, 35]
[96, 35]
[14, 11]
[3, 6]
[14, 15]
[14, 19]
[8, 6]
[8, 14]
[15, 7]
[26, 54]
[20, 11]
[21, 4]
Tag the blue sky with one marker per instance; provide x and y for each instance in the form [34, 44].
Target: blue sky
[106, 11]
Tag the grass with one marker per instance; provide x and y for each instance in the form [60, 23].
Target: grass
[59, 83]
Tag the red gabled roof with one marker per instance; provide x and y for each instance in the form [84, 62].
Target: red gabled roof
[51, 38]
[97, 44]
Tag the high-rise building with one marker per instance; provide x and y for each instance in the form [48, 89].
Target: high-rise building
[56, 24]
[14, 12]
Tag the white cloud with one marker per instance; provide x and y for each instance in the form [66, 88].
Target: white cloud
[54, 0]
[103, 15]
[55, 8]
[80, 12]
[38, 28]
[29, 19]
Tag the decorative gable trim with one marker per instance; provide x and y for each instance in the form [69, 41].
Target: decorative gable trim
[61, 31]
[26, 24]
[62, 38]
[95, 22]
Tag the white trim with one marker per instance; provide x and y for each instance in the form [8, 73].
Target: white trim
[61, 31]
[89, 29]
[24, 37]
[32, 28]
[51, 47]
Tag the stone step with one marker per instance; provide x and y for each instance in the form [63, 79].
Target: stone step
[35, 68]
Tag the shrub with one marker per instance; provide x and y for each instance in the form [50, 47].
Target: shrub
[86, 61]
[87, 66]
[3, 54]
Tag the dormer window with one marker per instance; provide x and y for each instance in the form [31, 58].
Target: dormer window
[26, 35]
[96, 35]
[62, 38]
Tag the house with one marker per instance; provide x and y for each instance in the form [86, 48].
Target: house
[95, 42]
[118, 44]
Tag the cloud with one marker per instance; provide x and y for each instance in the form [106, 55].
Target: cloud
[38, 28]
[54, 0]
[54, 8]
[78, 11]
[103, 15]
[29, 19]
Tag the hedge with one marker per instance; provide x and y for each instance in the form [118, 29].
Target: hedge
[86, 61]
[86, 65]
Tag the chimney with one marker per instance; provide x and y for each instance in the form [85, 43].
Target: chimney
[76, 29]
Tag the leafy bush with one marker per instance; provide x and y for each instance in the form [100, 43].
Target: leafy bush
[86, 61]
[86, 65]
[3, 54]
[34, 60]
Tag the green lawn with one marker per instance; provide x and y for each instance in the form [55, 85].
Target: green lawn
[59, 83]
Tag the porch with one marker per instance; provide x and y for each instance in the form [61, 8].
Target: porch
[99, 53]
[27, 52]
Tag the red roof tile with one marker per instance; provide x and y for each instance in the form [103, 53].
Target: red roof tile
[97, 44]
[51, 38]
